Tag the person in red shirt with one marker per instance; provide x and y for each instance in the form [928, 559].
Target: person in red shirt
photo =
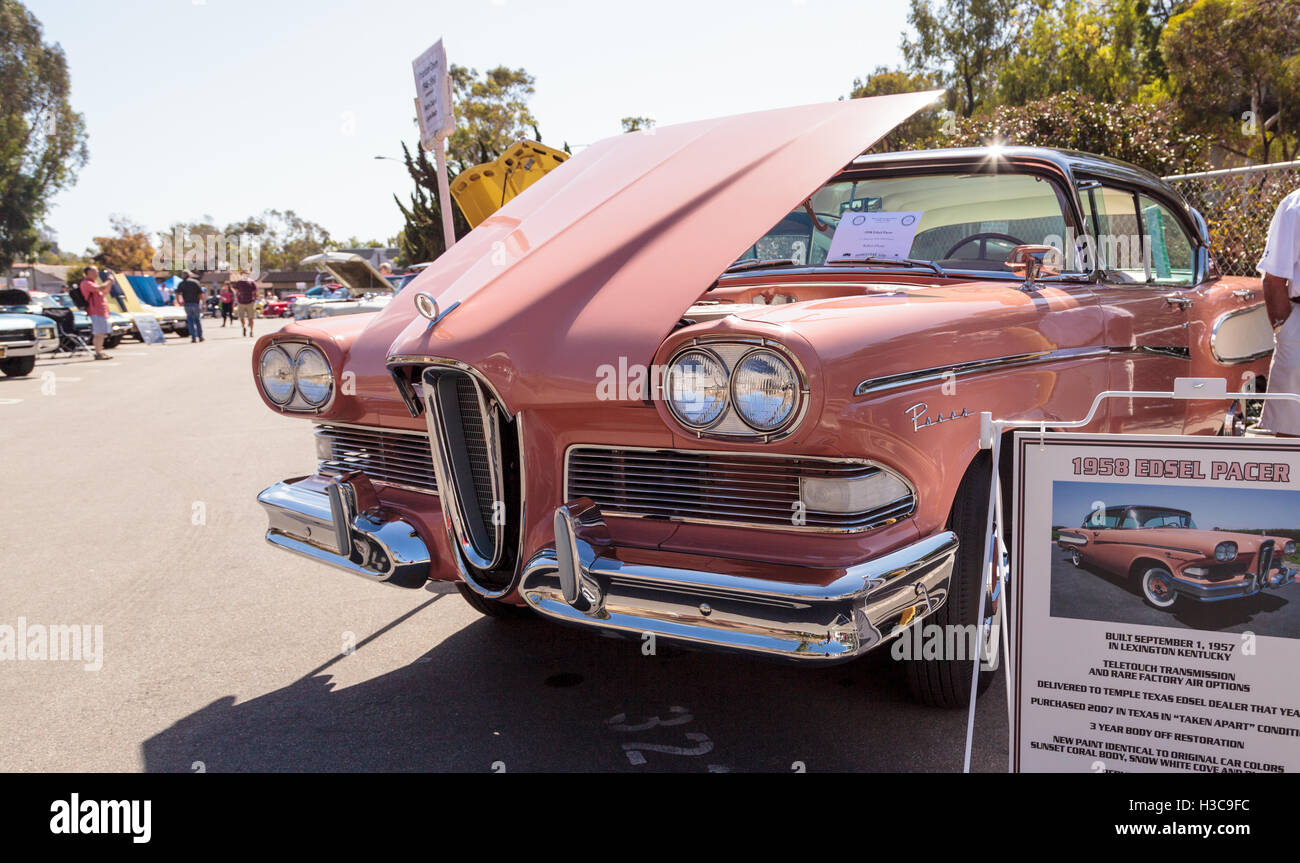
[245, 304]
[93, 291]
[227, 305]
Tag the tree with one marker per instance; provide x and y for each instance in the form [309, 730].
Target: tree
[1080, 46]
[924, 128]
[1149, 136]
[283, 238]
[635, 124]
[1230, 57]
[491, 114]
[128, 249]
[42, 140]
[963, 44]
[421, 239]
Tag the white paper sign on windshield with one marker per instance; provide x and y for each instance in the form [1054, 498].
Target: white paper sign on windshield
[874, 235]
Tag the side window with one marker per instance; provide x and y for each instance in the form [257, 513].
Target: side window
[1117, 235]
[1130, 521]
[1172, 258]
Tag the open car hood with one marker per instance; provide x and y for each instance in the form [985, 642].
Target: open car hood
[598, 259]
[352, 271]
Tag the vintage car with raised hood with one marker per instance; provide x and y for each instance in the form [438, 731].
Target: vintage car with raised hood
[1163, 551]
[678, 388]
[365, 289]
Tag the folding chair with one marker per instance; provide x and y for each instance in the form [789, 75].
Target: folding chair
[70, 342]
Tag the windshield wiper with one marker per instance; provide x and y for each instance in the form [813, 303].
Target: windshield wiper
[892, 262]
[752, 264]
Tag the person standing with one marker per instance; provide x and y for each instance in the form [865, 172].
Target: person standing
[245, 304]
[93, 290]
[227, 304]
[190, 293]
[1280, 267]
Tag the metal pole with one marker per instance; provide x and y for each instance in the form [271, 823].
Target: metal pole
[444, 195]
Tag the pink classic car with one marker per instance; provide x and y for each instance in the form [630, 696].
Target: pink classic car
[1171, 558]
[719, 383]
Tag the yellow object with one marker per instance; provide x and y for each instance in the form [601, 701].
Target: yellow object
[483, 189]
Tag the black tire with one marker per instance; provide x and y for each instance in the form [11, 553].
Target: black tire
[17, 367]
[492, 607]
[182, 331]
[111, 342]
[946, 682]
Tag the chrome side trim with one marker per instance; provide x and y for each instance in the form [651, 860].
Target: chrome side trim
[1167, 351]
[939, 373]
[583, 581]
[1214, 339]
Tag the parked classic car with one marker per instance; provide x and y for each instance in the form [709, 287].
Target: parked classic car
[23, 336]
[280, 307]
[124, 299]
[1172, 558]
[629, 403]
[367, 290]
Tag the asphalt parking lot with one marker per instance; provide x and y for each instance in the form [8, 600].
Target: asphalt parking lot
[1094, 594]
[128, 503]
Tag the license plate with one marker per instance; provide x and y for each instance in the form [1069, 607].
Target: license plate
[2, 351]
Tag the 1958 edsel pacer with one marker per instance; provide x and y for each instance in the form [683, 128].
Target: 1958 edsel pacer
[1172, 558]
[678, 387]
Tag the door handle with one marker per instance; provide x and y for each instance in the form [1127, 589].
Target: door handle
[1179, 300]
[1243, 294]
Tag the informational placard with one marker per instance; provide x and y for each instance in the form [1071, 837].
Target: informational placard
[20, 283]
[149, 328]
[874, 235]
[1156, 614]
[433, 95]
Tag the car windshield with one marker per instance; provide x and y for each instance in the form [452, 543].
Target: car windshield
[1153, 517]
[961, 221]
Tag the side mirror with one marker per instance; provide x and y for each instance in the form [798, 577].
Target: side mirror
[1034, 262]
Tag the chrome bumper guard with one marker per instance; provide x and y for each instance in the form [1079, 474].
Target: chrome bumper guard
[339, 521]
[584, 581]
[1251, 585]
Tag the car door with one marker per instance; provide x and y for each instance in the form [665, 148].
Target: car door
[1147, 290]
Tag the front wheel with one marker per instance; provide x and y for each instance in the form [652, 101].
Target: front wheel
[1158, 587]
[16, 367]
[492, 607]
[946, 682]
[1076, 558]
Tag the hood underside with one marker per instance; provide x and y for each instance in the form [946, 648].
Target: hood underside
[598, 259]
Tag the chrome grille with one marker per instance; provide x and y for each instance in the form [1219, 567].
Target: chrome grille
[731, 488]
[385, 455]
[17, 335]
[476, 447]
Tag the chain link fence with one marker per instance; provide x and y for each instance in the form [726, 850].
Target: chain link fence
[1238, 204]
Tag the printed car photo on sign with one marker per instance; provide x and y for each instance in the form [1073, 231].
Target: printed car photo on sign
[1222, 560]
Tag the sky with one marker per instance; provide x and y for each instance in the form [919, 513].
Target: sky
[224, 108]
[1210, 506]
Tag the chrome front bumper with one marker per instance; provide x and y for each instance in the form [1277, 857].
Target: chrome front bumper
[1248, 584]
[586, 581]
[338, 521]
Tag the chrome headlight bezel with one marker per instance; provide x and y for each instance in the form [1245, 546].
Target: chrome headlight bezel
[731, 424]
[298, 402]
[1289, 548]
[736, 402]
[1225, 551]
[311, 353]
[724, 385]
[269, 354]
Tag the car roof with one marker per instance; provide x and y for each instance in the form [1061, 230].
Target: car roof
[1148, 506]
[1070, 162]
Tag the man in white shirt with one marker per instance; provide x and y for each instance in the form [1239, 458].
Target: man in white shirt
[1280, 266]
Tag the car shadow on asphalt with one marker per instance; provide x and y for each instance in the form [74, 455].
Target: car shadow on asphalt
[527, 695]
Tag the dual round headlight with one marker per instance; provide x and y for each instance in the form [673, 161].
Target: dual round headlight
[307, 373]
[763, 389]
[1225, 551]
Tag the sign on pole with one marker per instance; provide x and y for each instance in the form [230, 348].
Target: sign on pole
[1157, 612]
[433, 108]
